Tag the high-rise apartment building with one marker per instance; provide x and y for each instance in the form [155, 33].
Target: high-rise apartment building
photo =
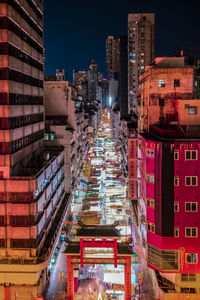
[140, 52]
[123, 78]
[164, 163]
[32, 193]
[112, 56]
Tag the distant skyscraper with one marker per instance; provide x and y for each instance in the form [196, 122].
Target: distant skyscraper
[80, 77]
[92, 81]
[140, 52]
[60, 75]
[123, 78]
[112, 56]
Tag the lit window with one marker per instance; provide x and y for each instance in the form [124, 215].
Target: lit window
[191, 180]
[142, 54]
[176, 82]
[191, 154]
[152, 179]
[148, 178]
[142, 67]
[176, 206]
[192, 110]
[191, 231]
[161, 83]
[176, 231]
[132, 61]
[132, 54]
[176, 155]
[191, 206]
[176, 181]
[152, 155]
[191, 258]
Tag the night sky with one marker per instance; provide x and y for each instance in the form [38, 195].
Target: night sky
[76, 30]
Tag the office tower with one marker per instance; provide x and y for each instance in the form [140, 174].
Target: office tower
[112, 56]
[32, 196]
[80, 78]
[140, 52]
[92, 81]
[60, 74]
[123, 77]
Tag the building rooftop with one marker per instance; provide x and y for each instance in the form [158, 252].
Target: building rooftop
[97, 231]
[36, 164]
[122, 248]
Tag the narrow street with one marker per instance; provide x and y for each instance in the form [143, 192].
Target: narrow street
[102, 199]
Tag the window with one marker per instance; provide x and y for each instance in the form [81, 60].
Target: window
[150, 227]
[176, 181]
[192, 110]
[150, 203]
[190, 154]
[188, 277]
[132, 61]
[187, 290]
[161, 83]
[150, 178]
[176, 232]
[191, 232]
[191, 206]
[176, 82]
[176, 155]
[176, 206]
[191, 258]
[191, 180]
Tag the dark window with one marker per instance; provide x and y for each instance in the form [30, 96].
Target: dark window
[188, 290]
[10, 74]
[188, 277]
[2, 243]
[2, 221]
[22, 243]
[6, 23]
[8, 49]
[176, 82]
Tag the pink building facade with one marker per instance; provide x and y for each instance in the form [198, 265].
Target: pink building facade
[168, 166]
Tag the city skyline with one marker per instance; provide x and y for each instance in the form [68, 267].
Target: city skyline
[86, 28]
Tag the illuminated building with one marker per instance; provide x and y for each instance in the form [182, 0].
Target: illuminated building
[32, 195]
[123, 76]
[92, 81]
[65, 120]
[166, 163]
[60, 74]
[80, 80]
[112, 56]
[140, 52]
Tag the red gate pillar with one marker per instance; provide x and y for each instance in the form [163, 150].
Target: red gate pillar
[70, 279]
[7, 293]
[127, 277]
